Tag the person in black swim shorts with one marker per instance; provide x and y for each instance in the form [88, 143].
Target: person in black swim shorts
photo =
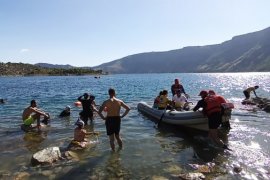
[113, 118]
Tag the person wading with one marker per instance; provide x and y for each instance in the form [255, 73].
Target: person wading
[212, 109]
[113, 118]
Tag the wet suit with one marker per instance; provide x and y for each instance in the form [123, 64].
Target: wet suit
[87, 111]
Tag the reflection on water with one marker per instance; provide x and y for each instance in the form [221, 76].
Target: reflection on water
[148, 153]
[33, 140]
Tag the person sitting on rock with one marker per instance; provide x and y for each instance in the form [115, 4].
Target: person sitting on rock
[32, 114]
[80, 134]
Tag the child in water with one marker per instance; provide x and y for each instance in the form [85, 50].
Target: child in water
[80, 134]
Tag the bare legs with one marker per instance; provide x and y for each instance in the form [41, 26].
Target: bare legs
[118, 139]
[37, 117]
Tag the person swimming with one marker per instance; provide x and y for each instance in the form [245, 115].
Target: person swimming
[65, 112]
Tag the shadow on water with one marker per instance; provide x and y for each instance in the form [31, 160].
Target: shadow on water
[33, 140]
[106, 166]
[82, 169]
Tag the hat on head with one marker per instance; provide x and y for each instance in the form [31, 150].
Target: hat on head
[79, 123]
[203, 93]
[68, 107]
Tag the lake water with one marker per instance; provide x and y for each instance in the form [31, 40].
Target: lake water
[148, 152]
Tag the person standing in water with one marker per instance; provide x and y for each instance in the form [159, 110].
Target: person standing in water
[113, 118]
[88, 107]
[212, 109]
[32, 114]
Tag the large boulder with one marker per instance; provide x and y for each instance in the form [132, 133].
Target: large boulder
[46, 156]
[267, 107]
[262, 103]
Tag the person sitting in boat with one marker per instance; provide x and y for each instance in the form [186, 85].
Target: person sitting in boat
[80, 134]
[65, 112]
[157, 99]
[177, 86]
[212, 109]
[225, 109]
[249, 90]
[179, 101]
[164, 102]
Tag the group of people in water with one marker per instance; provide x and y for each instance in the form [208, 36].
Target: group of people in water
[213, 106]
[113, 118]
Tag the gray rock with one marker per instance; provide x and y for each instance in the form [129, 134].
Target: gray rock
[46, 156]
[267, 108]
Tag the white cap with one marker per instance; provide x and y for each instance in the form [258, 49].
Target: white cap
[80, 123]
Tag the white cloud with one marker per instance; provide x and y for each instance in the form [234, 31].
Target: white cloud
[24, 50]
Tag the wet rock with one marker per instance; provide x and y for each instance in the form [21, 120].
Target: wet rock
[159, 178]
[70, 155]
[267, 108]
[46, 156]
[203, 168]
[173, 169]
[21, 175]
[5, 174]
[237, 169]
[192, 176]
[262, 103]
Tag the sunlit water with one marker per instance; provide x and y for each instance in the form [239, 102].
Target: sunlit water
[148, 152]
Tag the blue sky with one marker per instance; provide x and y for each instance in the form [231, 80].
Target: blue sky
[92, 32]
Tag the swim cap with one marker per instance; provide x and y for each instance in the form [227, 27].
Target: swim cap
[79, 123]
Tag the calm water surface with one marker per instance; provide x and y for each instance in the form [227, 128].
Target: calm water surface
[148, 152]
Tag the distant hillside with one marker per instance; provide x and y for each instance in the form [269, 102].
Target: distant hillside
[244, 53]
[21, 69]
[46, 65]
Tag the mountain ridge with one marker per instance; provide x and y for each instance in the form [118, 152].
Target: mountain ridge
[243, 53]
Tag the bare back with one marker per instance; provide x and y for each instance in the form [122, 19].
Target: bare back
[113, 106]
[27, 112]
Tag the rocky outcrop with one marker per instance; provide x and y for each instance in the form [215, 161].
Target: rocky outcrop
[46, 156]
[262, 103]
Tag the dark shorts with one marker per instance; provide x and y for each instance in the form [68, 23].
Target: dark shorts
[246, 94]
[113, 125]
[87, 114]
[214, 120]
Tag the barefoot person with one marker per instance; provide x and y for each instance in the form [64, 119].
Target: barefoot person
[32, 114]
[113, 119]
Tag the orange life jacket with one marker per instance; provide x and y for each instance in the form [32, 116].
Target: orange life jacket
[212, 104]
